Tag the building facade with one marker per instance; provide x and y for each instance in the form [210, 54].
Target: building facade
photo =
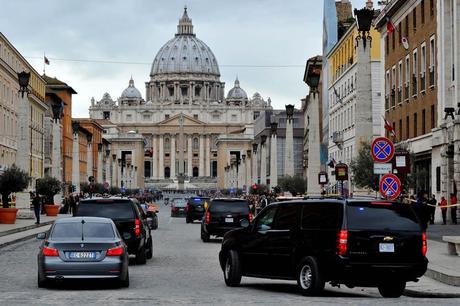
[184, 112]
[410, 73]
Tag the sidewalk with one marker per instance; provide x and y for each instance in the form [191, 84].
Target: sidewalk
[24, 229]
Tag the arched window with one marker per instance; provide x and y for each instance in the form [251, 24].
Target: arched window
[195, 143]
[195, 171]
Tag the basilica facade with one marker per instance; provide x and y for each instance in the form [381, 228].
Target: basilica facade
[183, 119]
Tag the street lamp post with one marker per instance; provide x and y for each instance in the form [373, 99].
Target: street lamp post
[289, 149]
[273, 155]
[57, 106]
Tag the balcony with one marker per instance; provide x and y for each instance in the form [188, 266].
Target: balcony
[432, 77]
[414, 85]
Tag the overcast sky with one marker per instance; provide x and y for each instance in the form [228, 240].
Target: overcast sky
[239, 32]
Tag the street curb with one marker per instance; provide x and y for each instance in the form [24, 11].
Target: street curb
[420, 294]
[442, 277]
[17, 240]
[25, 228]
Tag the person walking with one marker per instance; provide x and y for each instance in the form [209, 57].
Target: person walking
[432, 208]
[453, 209]
[36, 202]
[443, 207]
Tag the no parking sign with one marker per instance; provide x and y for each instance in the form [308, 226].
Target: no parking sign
[390, 186]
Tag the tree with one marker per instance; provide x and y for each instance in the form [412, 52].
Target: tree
[12, 180]
[362, 168]
[295, 185]
[48, 186]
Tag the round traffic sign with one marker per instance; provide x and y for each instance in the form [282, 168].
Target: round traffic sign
[382, 149]
[390, 186]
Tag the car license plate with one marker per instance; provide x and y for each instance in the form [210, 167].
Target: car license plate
[386, 247]
[82, 255]
[229, 220]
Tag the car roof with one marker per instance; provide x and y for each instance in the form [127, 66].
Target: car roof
[107, 198]
[229, 199]
[79, 219]
[331, 200]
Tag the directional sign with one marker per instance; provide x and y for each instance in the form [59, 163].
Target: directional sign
[390, 186]
[382, 150]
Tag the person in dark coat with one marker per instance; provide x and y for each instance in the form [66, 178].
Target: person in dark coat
[432, 208]
[453, 209]
[36, 202]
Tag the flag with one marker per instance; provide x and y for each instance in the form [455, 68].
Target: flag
[390, 26]
[389, 128]
[337, 96]
[46, 60]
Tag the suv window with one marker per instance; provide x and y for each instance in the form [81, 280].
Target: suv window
[265, 221]
[323, 215]
[198, 201]
[286, 217]
[106, 209]
[364, 215]
[229, 206]
[90, 230]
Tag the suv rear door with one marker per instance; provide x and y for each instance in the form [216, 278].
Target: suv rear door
[228, 213]
[383, 232]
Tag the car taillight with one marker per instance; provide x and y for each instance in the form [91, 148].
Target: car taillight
[251, 217]
[342, 242]
[50, 252]
[137, 227]
[117, 251]
[207, 217]
[424, 245]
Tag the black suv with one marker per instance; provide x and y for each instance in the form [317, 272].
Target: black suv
[129, 219]
[195, 208]
[223, 215]
[368, 243]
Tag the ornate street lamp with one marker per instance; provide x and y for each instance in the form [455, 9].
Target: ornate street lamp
[99, 147]
[263, 138]
[289, 111]
[107, 151]
[57, 106]
[75, 127]
[364, 19]
[254, 147]
[248, 153]
[23, 79]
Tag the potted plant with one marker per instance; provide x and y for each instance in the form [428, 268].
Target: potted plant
[12, 180]
[48, 187]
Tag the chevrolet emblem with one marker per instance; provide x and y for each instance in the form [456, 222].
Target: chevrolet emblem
[388, 238]
[82, 245]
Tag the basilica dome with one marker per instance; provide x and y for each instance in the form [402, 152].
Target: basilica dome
[131, 92]
[185, 53]
[237, 93]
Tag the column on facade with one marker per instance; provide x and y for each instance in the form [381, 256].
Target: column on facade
[201, 159]
[191, 93]
[100, 164]
[75, 159]
[114, 181]
[108, 169]
[89, 156]
[173, 156]
[154, 156]
[248, 162]
[289, 149]
[135, 177]
[161, 156]
[273, 161]
[206, 94]
[189, 156]
[207, 163]
[243, 171]
[263, 163]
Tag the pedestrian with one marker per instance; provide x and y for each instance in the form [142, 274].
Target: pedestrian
[72, 205]
[36, 202]
[443, 206]
[420, 209]
[431, 208]
[453, 209]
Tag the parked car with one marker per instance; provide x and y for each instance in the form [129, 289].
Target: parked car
[82, 248]
[129, 220]
[369, 243]
[178, 207]
[223, 215]
[195, 208]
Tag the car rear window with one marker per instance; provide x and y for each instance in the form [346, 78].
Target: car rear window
[366, 215]
[324, 215]
[180, 203]
[113, 210]
[229, 206]
[74, 230]
[198, 201]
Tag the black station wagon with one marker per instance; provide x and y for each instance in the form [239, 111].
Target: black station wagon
[368, 243]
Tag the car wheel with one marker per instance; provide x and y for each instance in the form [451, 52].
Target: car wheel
[141, 258]
[149, 254]
[232, 269]
[204, 236]
[124, 282]
[309, 278]
[42, 282]
[392, 289]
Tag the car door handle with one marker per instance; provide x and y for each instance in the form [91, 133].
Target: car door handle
[278, 231]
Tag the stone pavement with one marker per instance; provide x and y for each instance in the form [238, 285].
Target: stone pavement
[24, 229]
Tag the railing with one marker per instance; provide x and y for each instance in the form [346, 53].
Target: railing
[414, 85]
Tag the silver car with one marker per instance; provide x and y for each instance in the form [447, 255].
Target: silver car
[82, 248]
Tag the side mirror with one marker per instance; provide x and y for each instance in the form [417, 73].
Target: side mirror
[126, 236]
[244, 223]
[41, 236]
